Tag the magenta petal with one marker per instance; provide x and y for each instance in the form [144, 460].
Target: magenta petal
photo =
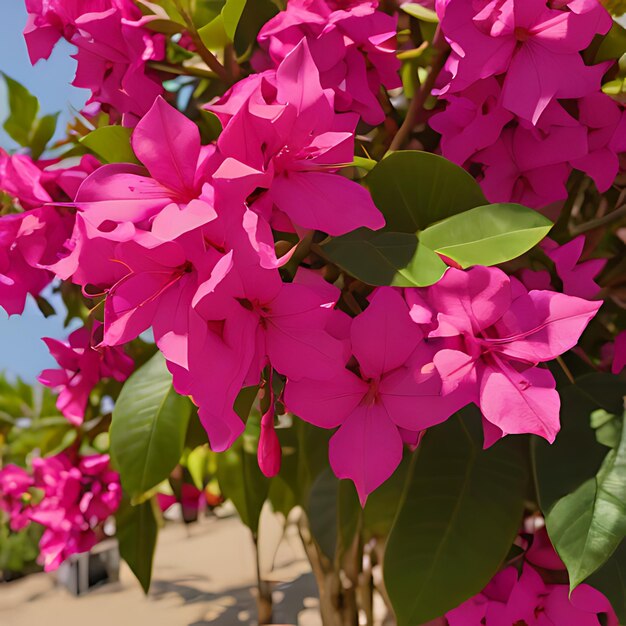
[384, 335]
[325, 404]
[366, 449]
[521, 402]
[326, 202]
[168, 144]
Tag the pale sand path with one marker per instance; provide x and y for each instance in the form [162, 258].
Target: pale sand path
[203, 575]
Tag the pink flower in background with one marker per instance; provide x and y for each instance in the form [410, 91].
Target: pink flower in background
[113, 49]
[511, 598]
[536, 47]
[578, 277]
[14, 485]
[387, 392]
[80, 493]
[82, 367]
[29, 243]
[493, 333]
[352, 44]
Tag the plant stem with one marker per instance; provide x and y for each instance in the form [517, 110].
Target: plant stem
[205, 54]
[605, 220]
[419, 99]
[264, 592]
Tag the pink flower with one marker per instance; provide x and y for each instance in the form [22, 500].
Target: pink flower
[508, 599]
[23, 180]
[29, 243]
[352, 44]
[577, 277]
[292, 148]
[536, 47]
[80, 493]
[14, 485]
[391, 386]
[81, 368]
[493, 333]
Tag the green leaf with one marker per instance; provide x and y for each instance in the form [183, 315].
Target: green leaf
[420, 12]
[220, 31]
[255, 15]
[586, 526]
[239, 476]
[137, 534]
[459, 515]
[414, 189]
[574, 457]
[23, 108]
[378, 259]
[197, 465]
[111, 144]
[148, 427]
[487, 235]
[322, 512]
[613, 45]
[43, 133]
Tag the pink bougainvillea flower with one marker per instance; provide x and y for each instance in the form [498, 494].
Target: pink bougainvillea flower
[50, 20]
[528, 600]
[473, 120]
[353, 46]
[81, 369]
[371, 405]
[79, 494]
[111, 62]
[493, 335]
[577, 277]
[125, 201]
[293, 148]
[14, 501]
[29, 243]
[23, 180]
[535, 46]
[605, 122]
[269, 453]
[532, 165]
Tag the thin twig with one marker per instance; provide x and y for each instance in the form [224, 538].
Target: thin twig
[419, 99]
[566, 370]
[605, 220]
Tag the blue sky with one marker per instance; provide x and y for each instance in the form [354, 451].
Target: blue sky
[22, 352]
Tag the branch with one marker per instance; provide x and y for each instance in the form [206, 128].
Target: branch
[614, 216]
[417, 104]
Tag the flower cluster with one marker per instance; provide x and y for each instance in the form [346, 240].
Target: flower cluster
[352, 44]
[184, 244]
[521, 596]
[476, 336]
[113, 47]
[34, 234]
[82, 367]
[522, 105]
[71, 496]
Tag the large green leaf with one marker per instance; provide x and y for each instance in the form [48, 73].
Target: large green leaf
[137, 534]
[322, 512]
[386, 258]
[576, 455]
[148, 427]
[487, 235]
[240, 478]
[414, 189]
[255, 14]
[459, 515]
[220, 31]
[111, 144]
[613, 46]
[23, 108]
[586, 526]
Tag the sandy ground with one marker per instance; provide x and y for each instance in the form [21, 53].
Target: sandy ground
[204, 574]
